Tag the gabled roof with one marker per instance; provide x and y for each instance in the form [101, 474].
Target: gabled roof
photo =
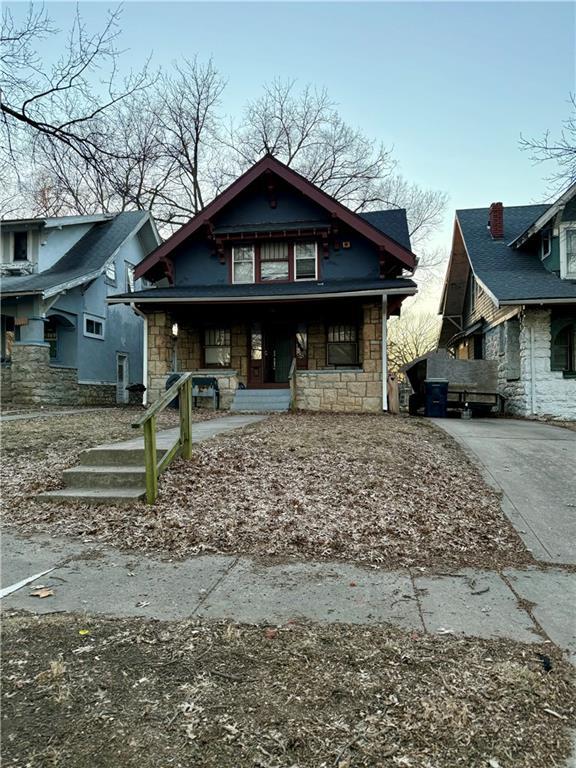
[268, 163]
[84, 261]
[392, 222]
[545, 217]
[246, 292]
[509, 275]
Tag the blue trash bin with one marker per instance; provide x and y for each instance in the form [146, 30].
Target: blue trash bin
[436, 398]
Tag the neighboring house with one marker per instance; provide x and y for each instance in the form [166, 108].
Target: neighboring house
[61, 343]
[275, 275]
[510, 295]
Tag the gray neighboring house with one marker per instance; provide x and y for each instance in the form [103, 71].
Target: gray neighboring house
[510, 296]
[61, 342]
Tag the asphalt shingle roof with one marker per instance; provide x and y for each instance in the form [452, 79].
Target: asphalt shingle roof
[510, 274]
[87, 256]
[261, 290]
[393, 223]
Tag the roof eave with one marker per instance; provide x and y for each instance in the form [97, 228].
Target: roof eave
[542, 220]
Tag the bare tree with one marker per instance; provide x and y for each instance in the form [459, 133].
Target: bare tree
[411, 335]
[69, 103]
[305, 131]
[560, 150]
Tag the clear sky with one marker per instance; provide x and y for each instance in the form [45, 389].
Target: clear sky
[449, 85]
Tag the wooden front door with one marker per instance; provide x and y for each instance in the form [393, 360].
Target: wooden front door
[271, 352]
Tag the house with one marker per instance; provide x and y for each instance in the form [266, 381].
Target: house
[510, 296]
[61, 343]
[275, 276]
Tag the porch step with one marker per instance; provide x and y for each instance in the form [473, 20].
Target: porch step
[260, 400]
[102, 476]
[94, 495]
[111, 457]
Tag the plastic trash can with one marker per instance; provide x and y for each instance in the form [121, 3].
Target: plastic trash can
[436, 398]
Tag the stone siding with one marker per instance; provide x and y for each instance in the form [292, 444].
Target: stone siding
[101, 394]
[6, 383]
[512, 344]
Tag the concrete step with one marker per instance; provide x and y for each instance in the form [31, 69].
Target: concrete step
[261, 400]
[104, 476]
[81, 495]
[108, 456]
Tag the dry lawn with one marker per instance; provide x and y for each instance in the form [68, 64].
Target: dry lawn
[80, 692]
[380, 490]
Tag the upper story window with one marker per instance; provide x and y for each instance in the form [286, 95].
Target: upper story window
[111, 271]
[271, 261]
[545, 244]
[93, 327]
[568, 251]
[20, 246]
[129, 278]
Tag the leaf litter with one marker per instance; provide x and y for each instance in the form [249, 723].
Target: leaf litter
[374, 489]
[220, 695]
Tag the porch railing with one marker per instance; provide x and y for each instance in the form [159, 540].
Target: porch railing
[183, 445]
[292, 380]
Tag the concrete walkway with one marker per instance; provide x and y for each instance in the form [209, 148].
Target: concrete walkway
[534, 466]
[101, 580]
[45, 414]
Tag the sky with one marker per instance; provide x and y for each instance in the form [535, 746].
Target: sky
[449, 86]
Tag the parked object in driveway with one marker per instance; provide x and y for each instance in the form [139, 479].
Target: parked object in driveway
[470, 384]
[436, 398]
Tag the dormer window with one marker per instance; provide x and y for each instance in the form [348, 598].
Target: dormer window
[20, 247]
[568, 251]
[546, 244]
[281, 261]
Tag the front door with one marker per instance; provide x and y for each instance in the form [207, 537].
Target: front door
[271, 352]
[122, 393]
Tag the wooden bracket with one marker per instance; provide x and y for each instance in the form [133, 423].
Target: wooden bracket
[168, 269]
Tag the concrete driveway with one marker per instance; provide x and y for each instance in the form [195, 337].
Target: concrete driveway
[534, 466]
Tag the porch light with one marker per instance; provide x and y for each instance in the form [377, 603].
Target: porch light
[174, 329]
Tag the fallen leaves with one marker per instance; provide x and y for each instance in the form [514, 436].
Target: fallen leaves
[42, 592]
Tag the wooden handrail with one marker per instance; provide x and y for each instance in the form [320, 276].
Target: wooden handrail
[183, 444]
[292, 380]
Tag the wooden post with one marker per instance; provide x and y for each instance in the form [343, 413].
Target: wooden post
[150, 460]
[186, 419]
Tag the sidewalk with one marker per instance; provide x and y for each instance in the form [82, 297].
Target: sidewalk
[100, 580]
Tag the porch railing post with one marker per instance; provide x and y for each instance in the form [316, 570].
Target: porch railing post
[186, 419]
[150, 460]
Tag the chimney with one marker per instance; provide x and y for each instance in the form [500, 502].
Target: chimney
[496, 221]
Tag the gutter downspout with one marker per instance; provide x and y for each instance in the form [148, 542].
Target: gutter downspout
[144, 316]
[384, 352]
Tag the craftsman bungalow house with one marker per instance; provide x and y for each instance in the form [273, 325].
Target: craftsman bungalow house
[276, 283]
[510, 296]
[61, 343]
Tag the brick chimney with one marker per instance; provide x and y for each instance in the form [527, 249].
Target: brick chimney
[496, 221]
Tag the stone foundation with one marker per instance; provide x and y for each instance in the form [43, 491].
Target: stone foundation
[6, 383]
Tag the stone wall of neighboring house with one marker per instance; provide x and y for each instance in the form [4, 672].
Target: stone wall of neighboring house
[100, 394]
[6, 383]
[522, 346]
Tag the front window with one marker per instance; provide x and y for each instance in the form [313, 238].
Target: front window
[274, 262]
[217, 347]
[243, 264]
[302, 346]
[20, 252]
[563, 351]
[305, 261]
[342, 345]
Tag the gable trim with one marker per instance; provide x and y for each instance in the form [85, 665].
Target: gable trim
[269, 163]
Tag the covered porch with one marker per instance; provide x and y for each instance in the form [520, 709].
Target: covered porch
[334, 347]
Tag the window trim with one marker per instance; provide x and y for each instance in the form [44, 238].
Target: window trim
[564, 228]
[295, 258]
[96, 319]
[546, 235]
[257, 268]
[227, 329]
[109, 279]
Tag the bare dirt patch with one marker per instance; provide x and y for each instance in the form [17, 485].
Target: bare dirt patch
[79, 692]
[372, 489]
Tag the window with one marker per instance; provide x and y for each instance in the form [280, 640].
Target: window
[256, 342]
[93, 327]
[545, 244]
[243, 264]
[568, 252]
[342, 345]
[51, 336]
[217, 347]
[20, 251]
[305, 261]
[563, 351]
[129, 278]
[274, 262]
[111, 271]
[302, 346]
